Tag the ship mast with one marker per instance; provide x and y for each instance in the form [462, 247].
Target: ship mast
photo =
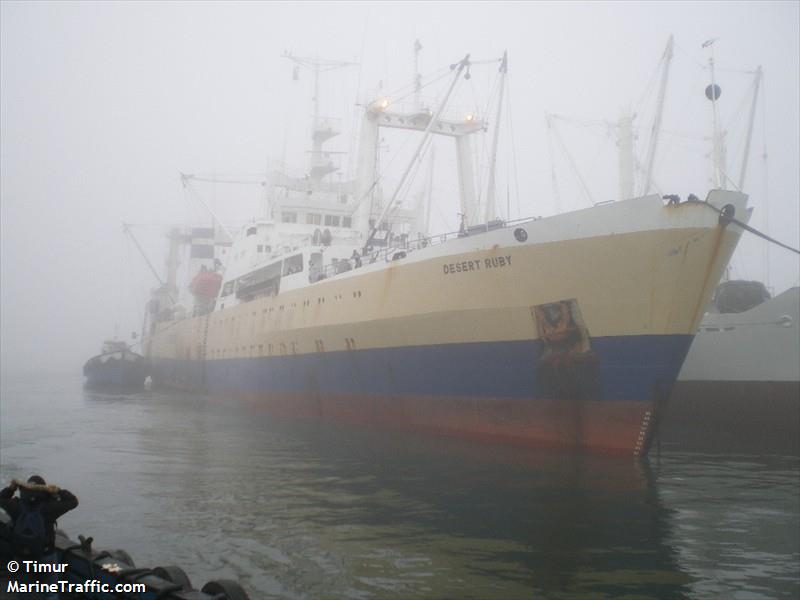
[713, 92]
[417, 75]
[186, 180]
[756, 84]
[127, 230]
[168, 288]
[553, 130]
[554, 178]
[653, 145]
[624, 130]
[458, 68]
[429, 191]
[490, 190]
[321, 129]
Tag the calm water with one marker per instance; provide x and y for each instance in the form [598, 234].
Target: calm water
[304, 510]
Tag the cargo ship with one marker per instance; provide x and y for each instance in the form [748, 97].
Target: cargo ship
[567, 331]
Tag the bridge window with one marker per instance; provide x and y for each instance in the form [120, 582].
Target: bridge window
[332, 220]
[314, 219]
[289, 217]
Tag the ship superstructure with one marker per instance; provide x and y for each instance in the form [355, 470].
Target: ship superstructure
[566, 331]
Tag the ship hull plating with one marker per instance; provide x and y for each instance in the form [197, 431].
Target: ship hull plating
[124, 375]
[498, 391]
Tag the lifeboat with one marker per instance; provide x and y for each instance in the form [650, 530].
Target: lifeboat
[206, 284]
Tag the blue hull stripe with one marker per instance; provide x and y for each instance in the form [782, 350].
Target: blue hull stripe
[627, 368]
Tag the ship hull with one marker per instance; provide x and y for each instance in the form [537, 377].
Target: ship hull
[739, 389]
[458, 338]
[126, 376]
[751, 417]
[494, 391]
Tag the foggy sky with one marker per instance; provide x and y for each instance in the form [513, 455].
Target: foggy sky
[102, 105]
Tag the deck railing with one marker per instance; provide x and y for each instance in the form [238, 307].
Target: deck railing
[402, 246]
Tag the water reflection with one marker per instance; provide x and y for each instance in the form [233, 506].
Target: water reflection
[322, 511]
[307, 510]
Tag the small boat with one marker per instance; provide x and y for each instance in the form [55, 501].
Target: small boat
[117, 366]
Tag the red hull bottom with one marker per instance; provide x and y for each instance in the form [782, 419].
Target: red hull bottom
[608, 427]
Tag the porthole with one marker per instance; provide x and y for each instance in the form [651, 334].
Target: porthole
[520, 234]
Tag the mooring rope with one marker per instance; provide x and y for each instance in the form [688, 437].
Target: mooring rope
[725, 217]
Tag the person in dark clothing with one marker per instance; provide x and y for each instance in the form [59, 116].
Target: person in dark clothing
[33, 516]
[36, 496]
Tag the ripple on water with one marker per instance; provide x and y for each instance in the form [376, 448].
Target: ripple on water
[303, 510]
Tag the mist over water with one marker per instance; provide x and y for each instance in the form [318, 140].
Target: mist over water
[302, 509]
[104, 104]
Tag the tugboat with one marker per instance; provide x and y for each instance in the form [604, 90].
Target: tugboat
[116, 367]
